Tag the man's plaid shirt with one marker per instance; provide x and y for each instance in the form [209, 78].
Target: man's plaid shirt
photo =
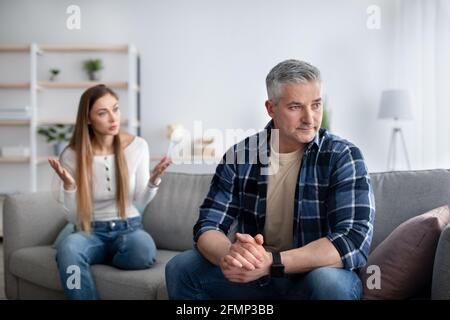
[333, 196]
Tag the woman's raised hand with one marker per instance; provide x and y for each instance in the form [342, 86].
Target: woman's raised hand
[66, 177]
[158, 170]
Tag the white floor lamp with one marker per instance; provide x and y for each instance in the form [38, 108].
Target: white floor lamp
[395, 104]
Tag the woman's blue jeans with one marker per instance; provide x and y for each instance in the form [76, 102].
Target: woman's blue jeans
[120, 243]
[189, 276]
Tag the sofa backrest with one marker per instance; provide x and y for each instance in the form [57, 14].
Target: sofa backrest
[402, 195]
[399, 196]
[171, 215]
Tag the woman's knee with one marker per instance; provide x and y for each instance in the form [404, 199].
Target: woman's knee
[71, 247]
[80, 249]
[146, 256]
[137, 251]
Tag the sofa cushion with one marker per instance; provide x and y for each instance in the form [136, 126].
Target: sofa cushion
[405, 258]
[161, 293]
[171, 215]
[38, 265]
[401, 195]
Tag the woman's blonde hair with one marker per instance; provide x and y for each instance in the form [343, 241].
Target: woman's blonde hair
[81, 143]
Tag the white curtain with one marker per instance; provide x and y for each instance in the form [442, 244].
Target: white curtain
[422, 65]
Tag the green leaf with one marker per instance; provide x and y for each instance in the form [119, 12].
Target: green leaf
[92, 65]
[57, 132]
[325, 120]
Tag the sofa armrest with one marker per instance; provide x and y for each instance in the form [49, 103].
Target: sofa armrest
[32, 219]
[441, 270]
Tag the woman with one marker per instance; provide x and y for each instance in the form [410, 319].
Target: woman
[106, 178]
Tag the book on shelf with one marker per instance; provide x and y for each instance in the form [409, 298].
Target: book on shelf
[15, 113]
[14, 151]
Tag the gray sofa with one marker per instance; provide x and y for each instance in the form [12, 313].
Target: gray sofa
[33, 221]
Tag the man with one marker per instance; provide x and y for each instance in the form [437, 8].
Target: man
[305, 217]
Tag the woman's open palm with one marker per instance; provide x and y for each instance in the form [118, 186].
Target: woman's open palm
[66, 177]
[159, 169]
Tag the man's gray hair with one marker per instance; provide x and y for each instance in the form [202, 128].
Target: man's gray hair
[289, 71]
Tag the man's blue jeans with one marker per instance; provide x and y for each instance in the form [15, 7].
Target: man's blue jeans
[189, 276]
[121, 243]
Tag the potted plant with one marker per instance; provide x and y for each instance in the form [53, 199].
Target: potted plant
[53, 73]
[326, 116]
[92, 67]
[61, 133]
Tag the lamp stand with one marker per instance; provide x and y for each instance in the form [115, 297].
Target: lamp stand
[396, 132]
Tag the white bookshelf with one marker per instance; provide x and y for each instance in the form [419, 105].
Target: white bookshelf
[15, 85]
[82, 85]
[56, 102]
[2, 201]
[14, 122]
[17, 159]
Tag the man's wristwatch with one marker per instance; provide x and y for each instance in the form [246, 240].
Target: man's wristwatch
[277, 268]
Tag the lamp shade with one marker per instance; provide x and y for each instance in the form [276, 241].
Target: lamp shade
[395, 104]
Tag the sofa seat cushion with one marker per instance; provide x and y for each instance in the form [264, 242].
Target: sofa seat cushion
[38, 265]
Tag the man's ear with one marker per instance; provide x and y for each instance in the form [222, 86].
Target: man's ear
[269, 107]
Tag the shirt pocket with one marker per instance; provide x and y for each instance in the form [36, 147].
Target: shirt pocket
[314, 199]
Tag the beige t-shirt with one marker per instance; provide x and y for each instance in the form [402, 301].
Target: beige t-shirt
[282, 182]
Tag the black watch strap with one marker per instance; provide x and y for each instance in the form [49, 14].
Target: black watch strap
[277, 268]
[276, 257]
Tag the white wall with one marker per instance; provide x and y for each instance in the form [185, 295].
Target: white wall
[207, 60]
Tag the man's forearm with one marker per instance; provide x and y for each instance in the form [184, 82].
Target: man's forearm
[213, 245]
[319, 253]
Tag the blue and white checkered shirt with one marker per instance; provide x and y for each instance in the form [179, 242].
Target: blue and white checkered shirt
[333, 196]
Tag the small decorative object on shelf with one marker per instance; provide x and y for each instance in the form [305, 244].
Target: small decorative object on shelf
[54, 73]
[175, 133]
[15, 151]
[203, 147]
[61, 133]
[92, 67]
